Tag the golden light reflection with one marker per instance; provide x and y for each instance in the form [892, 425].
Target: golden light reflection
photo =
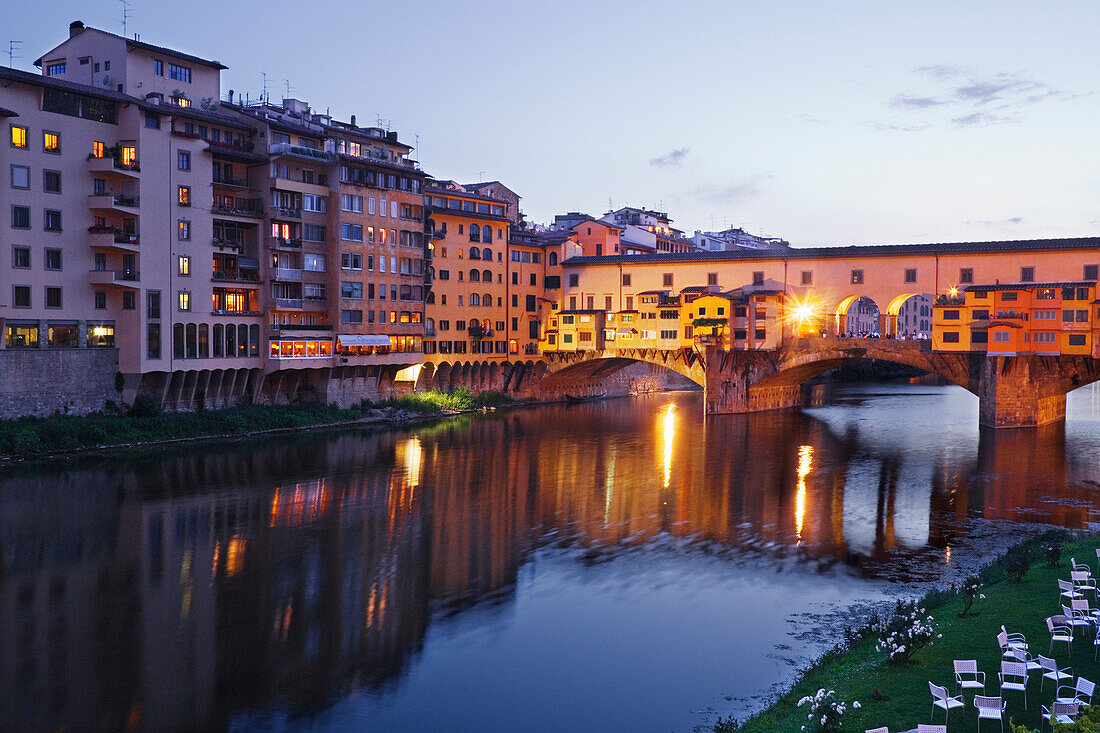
[805, 465]
[234, 555]
[608, 486]
[275, 508]
[408, 374]
[411, 455]
[669, 439]
[947, 555]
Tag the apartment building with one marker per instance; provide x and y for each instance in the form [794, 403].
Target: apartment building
[646, 231]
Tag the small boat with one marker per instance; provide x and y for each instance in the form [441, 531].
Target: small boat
[585, 398]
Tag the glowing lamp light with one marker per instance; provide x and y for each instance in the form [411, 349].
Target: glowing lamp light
[100, 331]
[953, 291]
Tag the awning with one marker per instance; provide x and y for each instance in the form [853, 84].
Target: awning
[248, 263]
[625, 331]
[358, 339]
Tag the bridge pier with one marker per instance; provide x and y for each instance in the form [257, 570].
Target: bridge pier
[1015, 392]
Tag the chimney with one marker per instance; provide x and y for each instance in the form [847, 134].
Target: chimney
[353, 120]
[76, 28]
[231, 96]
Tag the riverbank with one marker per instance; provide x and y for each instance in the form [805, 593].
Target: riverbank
[855, 670]
[28, 438]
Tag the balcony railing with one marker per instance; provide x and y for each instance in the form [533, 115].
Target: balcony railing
[235, 277]
[223, 242]
[300, 151]
[284, 243]
[288, 273]
[301, 327]
[118, 276]
[245, 207]
[282, 212]
[231, 181]
[288, 303]
[229, 312]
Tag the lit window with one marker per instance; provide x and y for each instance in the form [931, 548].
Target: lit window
[184, 230]
[184, 300]
[181, 101]
[18, 137]
[185, 266]
[98, 149]
[129, 155]
[185, 195]
[51, 142]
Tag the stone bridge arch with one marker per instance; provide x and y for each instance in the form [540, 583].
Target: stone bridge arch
[565, 368]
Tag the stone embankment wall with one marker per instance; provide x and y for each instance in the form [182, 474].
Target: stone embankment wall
[40, 382]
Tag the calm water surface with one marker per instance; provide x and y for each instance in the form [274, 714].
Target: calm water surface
[622, 565]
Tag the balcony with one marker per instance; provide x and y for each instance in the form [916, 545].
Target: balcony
[281, 212]
[438, 234]
[287, 274]
[284, 243]
[114, 202]
[250, 208]
[113, 239]
[300, 152]
[115, 278]
[230, 181]
[225, 312]
[223, 242]
[237, 278]
[109, 166]
[301, 327]
[288, 303]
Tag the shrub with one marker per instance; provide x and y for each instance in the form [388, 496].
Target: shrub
[904, 632]
[971, 588]
[1017, 563]
[145, 406]
[1053, 553]
[825, 713]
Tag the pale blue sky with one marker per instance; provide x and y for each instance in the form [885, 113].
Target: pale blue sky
[823, 122]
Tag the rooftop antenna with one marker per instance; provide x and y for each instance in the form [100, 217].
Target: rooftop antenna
[126, 13]
[288, 88]
[263, 96]
[13, 52]
[481, 176]
[384, 123]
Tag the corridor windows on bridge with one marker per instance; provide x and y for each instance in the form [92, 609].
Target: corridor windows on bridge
[951, 337]
[807, 277]
[1027, 274]
[758, 278]
[966, 275]
[910, 274]
[857, 277]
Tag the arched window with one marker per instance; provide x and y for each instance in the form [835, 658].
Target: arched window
[242, 340]
[219, 340]
[475, 276]
[553, 259]
[406, 292]
[177, 340]
[254, 340]
[486, 233]
[475, 233]
[430, 300]
[192, 341]
[475, 299]
[204, 341]
[487, 299]
[231, 340]
[475, 253]
[487, 254]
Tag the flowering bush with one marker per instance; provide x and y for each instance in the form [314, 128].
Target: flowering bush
[1053, 553]
[1017, 563]
[904, 632]
[825, 711]
[971, 589]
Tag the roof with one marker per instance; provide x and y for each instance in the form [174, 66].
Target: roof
[579, 312]
[1028, 286]
[605, 224]
[132, 43]
[852, 251]
[431, 188]
[25, 77]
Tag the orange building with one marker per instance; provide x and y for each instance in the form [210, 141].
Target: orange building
[598, 238]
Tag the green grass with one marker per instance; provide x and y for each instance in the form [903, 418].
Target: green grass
[37, 436]
[1022, 607]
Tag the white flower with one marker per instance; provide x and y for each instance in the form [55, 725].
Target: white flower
[856, 705]
[981, 595]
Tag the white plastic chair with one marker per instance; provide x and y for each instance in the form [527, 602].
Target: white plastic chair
[1008, 642]
[925, 728]
[1013, 677]
[1082, 692]
[1066, 591]
[1051, 672]
[1077, 619]
[883, 729]
[1025, 658]
[1098, 558]
[1060, 631]
[989, 708]
[968, 676]
[940, 699]
[1082, 582]
[1061, 713]
[1079, 566]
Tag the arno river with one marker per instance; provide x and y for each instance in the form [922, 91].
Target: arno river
[622, 565]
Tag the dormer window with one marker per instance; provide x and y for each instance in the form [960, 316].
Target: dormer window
[55, 69]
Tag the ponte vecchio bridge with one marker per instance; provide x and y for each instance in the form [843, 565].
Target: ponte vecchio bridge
[1015, 390]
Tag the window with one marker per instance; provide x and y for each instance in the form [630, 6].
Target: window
[55, 69]
[712, 278]
[129, 300]
[666, 279]
[1045, 337]
[352, 232]
[18, 136]
[1091, 272]
[951, 315]
[350, 202]
[950, 337]
[1027, 274]
[314, 202]
[351, 316]
[152, 120]
[21, 217]
[184, 300]
[351, 261]
[574, 279]
[51, 181]
[21, 296]
[313, 262]
[1042, 315]
[179, 73]
[158, 67]
[351, 290]
[910, 274]
[53, 297]
[51, 142]
[100, 299]
[314, 232]
[807, 277]
[758, 278]
[20, 176]
[857, 277]
[184, 266]
[183, 195]
[152, 341]
[53, 259]
[183, 160]
[761, 334]
[1077, 339]
[52, 220]
[21, 257]
[1000, 337]
[183, 230]
[1009, 296]
[152, 304]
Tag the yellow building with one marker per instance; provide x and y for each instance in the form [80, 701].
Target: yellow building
[574, 330]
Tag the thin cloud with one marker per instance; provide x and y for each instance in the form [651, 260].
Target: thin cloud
[941, 71]
[911, 102]
[730, 193]
[996, 223]
[671, 159]
[981, 119]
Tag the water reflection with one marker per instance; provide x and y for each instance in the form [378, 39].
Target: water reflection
[202, 587]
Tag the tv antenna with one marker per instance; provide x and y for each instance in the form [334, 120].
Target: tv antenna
[384, 123]
[288, 88]
[126, 13]
[481, 176]
[263, 95]
[13, 52]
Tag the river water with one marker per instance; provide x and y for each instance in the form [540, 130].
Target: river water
[622, 565]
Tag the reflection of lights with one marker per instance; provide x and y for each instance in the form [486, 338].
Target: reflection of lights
[947, 555]
[411, 456]
[408, 374]
[805, 465]
[608, 486]
[669, 437]
[275, 508]
[234, 555]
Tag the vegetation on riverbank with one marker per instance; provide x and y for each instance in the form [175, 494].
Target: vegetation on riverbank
[856, 670]
[144, 423]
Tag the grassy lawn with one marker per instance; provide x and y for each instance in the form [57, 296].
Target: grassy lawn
[1022, 607]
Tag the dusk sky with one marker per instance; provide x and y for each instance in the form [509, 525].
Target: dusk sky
[823, 123]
